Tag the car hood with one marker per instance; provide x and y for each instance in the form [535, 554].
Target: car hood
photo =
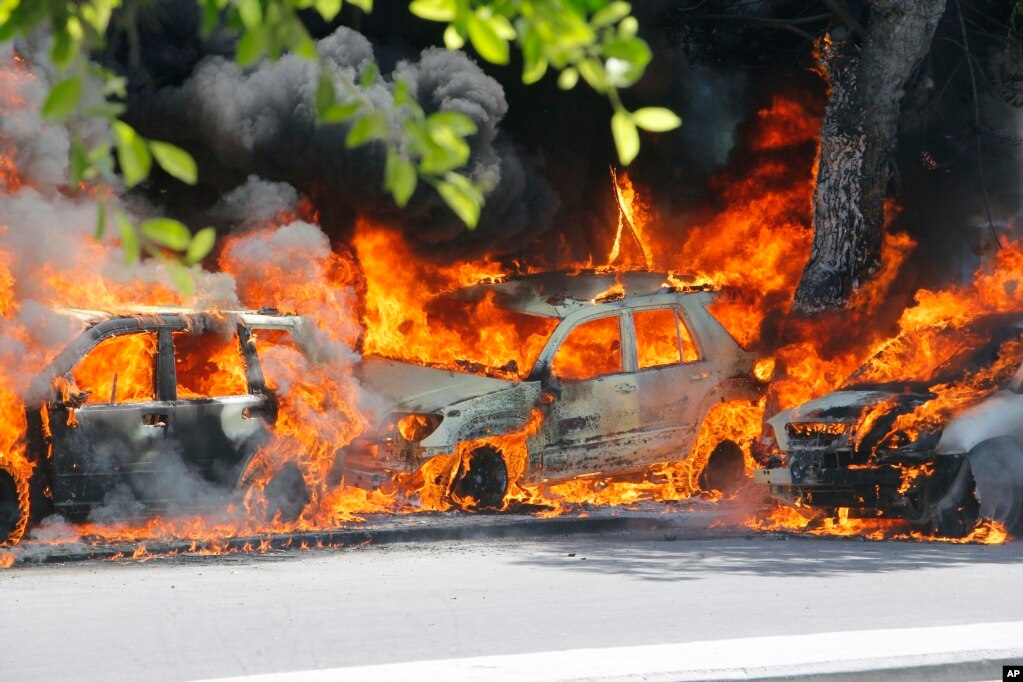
[846, 407]
[417, 388]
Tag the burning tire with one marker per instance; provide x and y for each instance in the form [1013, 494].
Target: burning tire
[286, 494]
[725, 470]
[997, 468]
[483, 477]
[12, 523]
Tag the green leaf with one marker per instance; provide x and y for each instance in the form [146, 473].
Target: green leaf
[210, 16]
[79, 162]
[129, 239]
[400, 177]
[434, 10]
[457, 122]
[370, 127]
[635, 51]
[101, 219]
[325, 96]
[250, 12]
[502, 27]
[369, 75]
[365, 5]
[656, 119]
[201, 244]
[328, 9]
[340, 112]
[132, 153]
[629, 27]
[167, 232]
[115, 85]
[182, 277]
[250, 48]
[106, 110]
[175, 161]
[534, 61]
[568, 78]
[626, 137]
[486, 39]
[611, 14]
[453, 38]
[64, 49]
[63, 98]
[305, 47]
[593, 72]
[462, 197]
[401, 93]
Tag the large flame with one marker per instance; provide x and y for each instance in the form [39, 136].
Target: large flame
[381, 298]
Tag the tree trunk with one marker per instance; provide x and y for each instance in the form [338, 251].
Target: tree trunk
[857, 145]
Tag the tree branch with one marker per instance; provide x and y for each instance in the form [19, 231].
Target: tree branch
[976, 125]
[843, 13]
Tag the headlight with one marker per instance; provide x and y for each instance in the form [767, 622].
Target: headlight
[415, 427]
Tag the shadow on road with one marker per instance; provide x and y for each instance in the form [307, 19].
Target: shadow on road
[674, 560]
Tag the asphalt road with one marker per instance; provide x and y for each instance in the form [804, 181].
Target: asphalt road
[184, 619]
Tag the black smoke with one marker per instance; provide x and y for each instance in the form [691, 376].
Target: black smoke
[260, 121]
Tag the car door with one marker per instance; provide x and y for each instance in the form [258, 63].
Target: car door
[672, 382]
[219, 419]
[107, 424]
[590, 425]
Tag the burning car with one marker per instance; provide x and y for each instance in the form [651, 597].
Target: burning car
[619, 373]
[930, 430]
[153, 410]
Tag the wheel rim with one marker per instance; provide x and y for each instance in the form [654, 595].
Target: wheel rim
[482, 476]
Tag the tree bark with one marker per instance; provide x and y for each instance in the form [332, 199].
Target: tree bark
[857, 146]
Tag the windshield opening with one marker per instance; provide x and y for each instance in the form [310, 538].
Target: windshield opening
[481, 337]
[931, 356]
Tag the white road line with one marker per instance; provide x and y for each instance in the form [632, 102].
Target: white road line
[729, 659]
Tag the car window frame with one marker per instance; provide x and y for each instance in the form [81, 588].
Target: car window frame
[159, 365]
[246, 351]
[680, 318]
[570, 324]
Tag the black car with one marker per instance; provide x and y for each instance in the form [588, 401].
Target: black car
[930, 431]
[156, 410]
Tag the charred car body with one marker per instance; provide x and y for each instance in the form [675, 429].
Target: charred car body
[939, 448]
[154, 410]
[626, 369]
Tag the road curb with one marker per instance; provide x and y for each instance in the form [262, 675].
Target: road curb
[956, 652]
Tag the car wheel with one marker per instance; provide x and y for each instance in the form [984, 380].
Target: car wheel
[997, 466]
[483, 477]
[12, 523]
[286, 494]
[725, 470]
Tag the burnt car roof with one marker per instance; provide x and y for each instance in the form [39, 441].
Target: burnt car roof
[156, 314]
[556, 294]
[98, 325]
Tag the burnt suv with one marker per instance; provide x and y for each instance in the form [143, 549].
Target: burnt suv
[939, 446]
[624, 369]
[152, 410]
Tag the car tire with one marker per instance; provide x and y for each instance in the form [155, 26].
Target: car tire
[483, 477]
[725, 471]
[997, 467]
[286, 494]
[12, 523]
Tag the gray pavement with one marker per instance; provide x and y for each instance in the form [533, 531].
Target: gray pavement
[403, 603]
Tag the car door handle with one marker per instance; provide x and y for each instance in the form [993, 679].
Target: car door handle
[700, 376]
[626, 388]
[158, 419]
